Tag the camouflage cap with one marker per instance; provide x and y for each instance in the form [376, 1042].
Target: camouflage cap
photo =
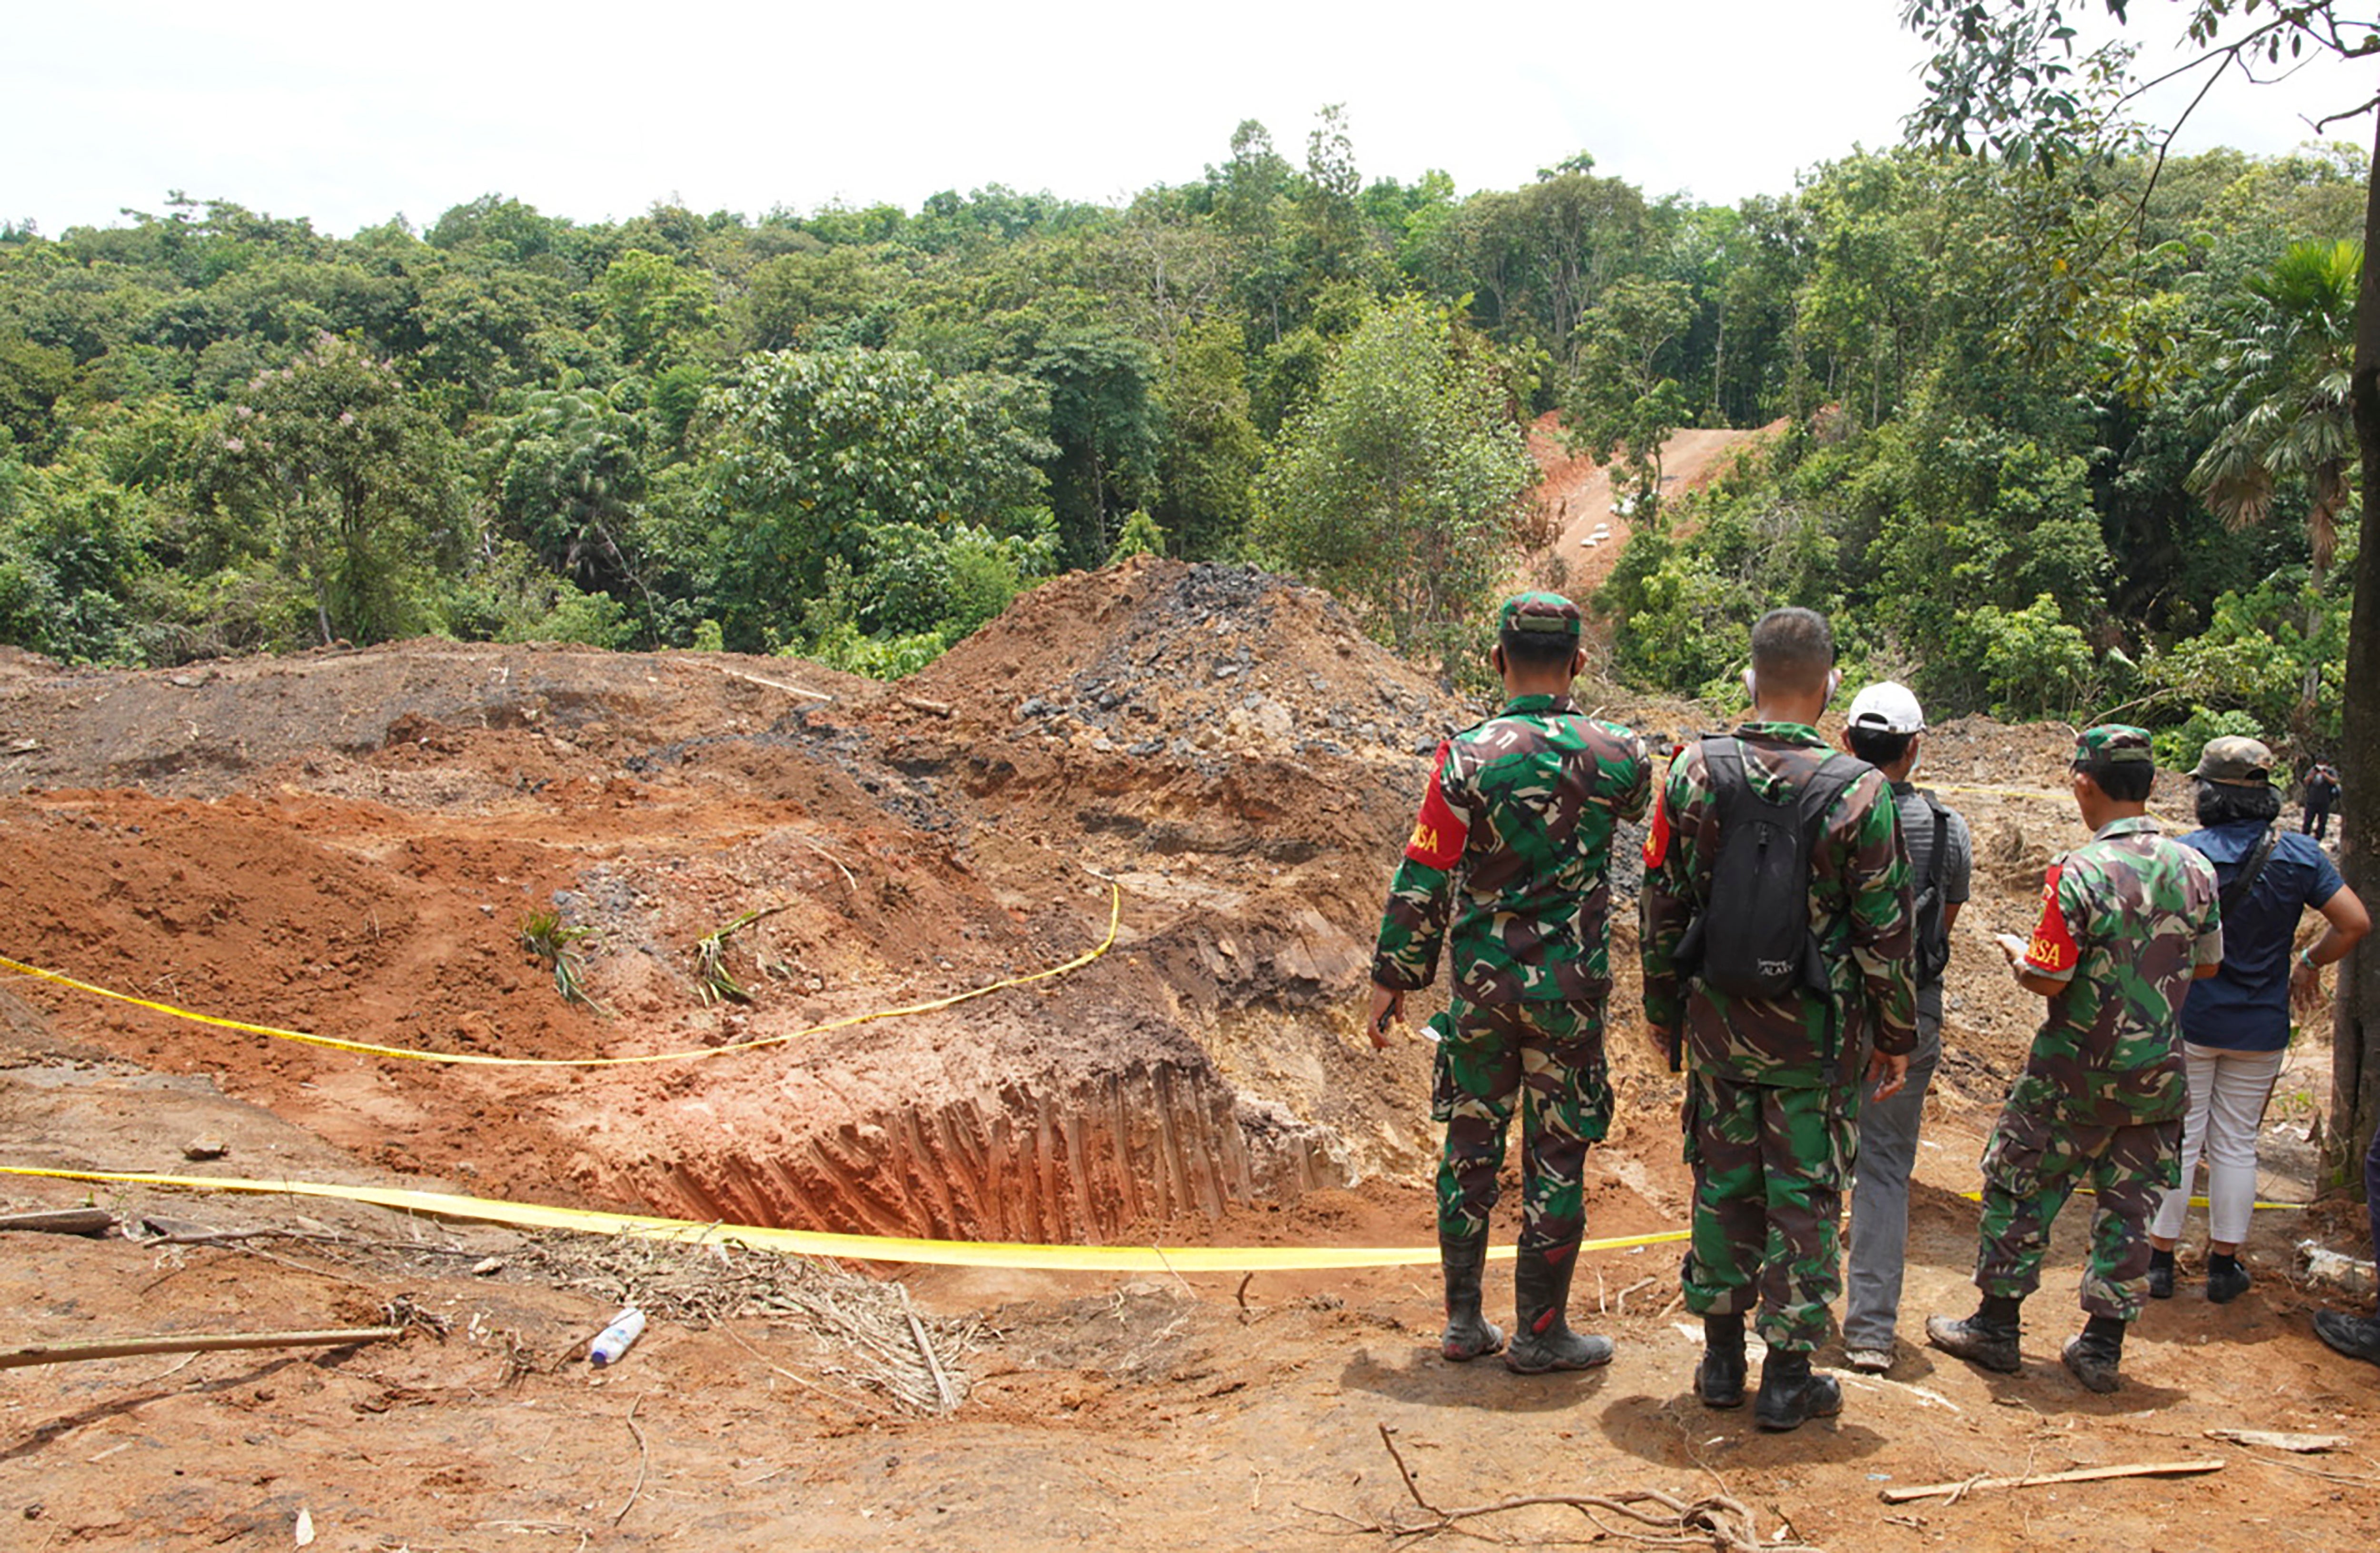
[2235, 763]
[2113, 744]
[1534, 613]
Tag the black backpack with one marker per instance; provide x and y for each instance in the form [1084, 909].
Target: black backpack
[1930, 938]
[1754, 938]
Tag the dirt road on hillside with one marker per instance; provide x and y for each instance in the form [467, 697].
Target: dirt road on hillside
[1575, 498]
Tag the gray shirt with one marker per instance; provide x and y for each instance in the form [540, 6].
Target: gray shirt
[1958, 863]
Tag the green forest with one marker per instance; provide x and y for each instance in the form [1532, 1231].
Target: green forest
[2059, 440]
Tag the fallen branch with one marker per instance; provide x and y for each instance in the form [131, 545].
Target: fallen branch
[644, 1460]
[2079, 1475]
[195, 1343]
[1716, 1521]
[2360, 1481]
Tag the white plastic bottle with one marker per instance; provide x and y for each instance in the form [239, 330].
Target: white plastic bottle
[613, 1340]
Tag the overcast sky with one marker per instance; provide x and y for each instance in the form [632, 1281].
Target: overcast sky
[350, 115]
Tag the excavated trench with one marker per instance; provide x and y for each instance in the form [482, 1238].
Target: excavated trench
[1077, 1163]
[1196, 1073]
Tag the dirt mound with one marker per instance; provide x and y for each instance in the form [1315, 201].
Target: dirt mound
[1203, 664]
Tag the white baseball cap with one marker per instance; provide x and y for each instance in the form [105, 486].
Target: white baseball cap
[1888, 707]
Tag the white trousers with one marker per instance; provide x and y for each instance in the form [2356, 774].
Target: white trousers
[2228, 1091]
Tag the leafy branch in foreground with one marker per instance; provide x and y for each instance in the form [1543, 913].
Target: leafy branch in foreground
[543, 935]
[712, 977]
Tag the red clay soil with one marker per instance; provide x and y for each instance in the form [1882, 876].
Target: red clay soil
[350, 843]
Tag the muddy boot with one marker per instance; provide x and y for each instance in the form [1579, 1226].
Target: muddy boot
[2093, 1353]
[1541, 1295]
[1790, 1395]
[1719, 1379]
[1467, 1335]
[1987, 1338]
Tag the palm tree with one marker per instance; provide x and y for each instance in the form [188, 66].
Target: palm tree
[2284, 416]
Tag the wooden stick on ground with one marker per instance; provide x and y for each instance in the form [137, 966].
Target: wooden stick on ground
[61, 1221]
[771, 684]
[2079, 1475]
[193, 1343]
[933, 1361]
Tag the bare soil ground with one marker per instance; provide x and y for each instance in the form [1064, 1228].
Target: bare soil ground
[348, 843]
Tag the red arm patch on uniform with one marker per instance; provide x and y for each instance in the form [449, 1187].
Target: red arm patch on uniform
[1657, 834]
[1440, 832]
[2052, 951]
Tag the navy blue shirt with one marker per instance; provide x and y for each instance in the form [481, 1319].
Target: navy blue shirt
[2245, 1006]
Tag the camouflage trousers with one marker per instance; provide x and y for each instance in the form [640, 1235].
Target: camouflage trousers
[1768, 1164]
[2034, 1163]
[1548, 1056]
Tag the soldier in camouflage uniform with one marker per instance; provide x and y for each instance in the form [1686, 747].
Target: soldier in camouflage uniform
[1511, 857]
[1773, 1084]
[2127, 921]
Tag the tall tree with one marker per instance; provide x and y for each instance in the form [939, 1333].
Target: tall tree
[1622, 399]
[1402, 485]
[2283, 416]
[818, 451]
[354, 481]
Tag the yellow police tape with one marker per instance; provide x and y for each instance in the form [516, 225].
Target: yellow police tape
[2194, 1202]
[697, 1054]
[857, 1248]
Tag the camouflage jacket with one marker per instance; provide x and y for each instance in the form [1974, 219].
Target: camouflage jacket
[1859, 913]
[2124, 920]
[1513, 843]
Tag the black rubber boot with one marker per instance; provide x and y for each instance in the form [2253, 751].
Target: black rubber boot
[1719, 1379]
[1468, 1335]
[2095, 1353]
[1543, 1340]
[2160, 1275]
[2358, 1336]
[1987, 1338]
[1789, 1395]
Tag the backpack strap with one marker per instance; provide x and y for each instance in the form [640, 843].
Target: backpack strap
[1833, 778]
[1723, 763]
[1934, 859]
[1723, 767]
[2244, 880]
